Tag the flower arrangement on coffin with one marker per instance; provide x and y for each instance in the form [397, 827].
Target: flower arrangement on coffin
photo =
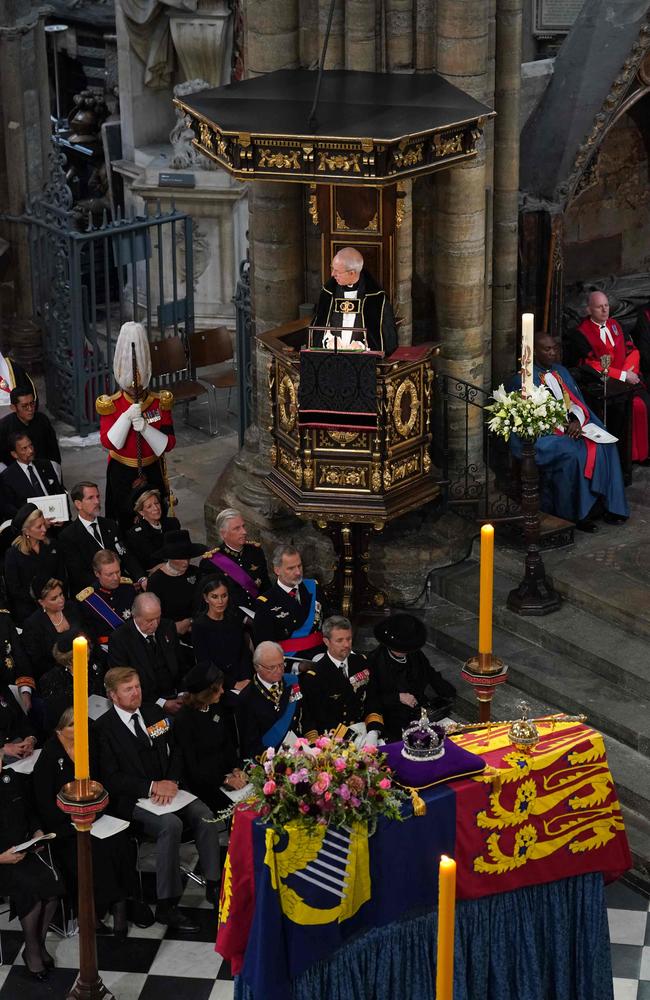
[327, 783]
[530, 417]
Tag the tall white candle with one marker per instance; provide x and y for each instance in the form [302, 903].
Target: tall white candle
[527, 349]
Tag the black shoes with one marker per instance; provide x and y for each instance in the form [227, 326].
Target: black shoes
[139, 913]
[590, 527]
[167, 913]
[41, 976]
[614, 518]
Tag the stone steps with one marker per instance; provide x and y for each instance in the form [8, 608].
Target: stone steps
[605, 648]
[555, 678]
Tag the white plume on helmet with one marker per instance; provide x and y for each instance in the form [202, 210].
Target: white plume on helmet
[132, 333]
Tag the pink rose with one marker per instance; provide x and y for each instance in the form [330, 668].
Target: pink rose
[301, 742]
[344, 792]
[325, 778]
[327, 796]
[295, 778]
[318, 787]
[370, 750]
[340, 764]
[269, 787]
[323, 742]
[385, 783]
[304, 808]
[354, 801]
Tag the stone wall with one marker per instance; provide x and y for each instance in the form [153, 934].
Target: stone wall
[607, 227]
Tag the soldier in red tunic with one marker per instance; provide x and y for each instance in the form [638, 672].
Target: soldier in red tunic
[598, 335]
[136, 434]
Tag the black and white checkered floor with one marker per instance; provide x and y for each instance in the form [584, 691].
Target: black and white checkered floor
[156, 964]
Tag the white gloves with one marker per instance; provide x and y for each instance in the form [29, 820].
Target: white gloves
[156, 440]
[133, 411]
[138, 423]
[118, 432]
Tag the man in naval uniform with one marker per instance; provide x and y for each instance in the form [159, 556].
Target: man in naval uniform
[291, 611]
[128, 428]
[243, 562]
[352, 299]
[107, 604]
[334, 684]
[269, 706]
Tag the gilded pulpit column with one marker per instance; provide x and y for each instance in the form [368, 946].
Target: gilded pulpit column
[459, 257]
[506, 187]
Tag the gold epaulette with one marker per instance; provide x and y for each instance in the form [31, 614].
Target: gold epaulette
[165, 398]
[208, 555]
[84, 594]
[106, 404]
[126, 579]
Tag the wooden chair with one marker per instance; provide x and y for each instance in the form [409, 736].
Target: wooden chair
[214, 347]
[171, 369]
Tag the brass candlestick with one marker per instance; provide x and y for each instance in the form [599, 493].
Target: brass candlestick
[82, 800]
[484, 672]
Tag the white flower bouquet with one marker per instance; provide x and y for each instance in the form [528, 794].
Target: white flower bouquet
[529, 417]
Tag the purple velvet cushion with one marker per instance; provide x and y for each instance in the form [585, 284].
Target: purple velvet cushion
[454, 763]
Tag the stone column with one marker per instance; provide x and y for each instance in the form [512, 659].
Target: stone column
[336, 48]
[24, 141]
[506, 186]
[360, 38]
[399, 35]
[459, 224]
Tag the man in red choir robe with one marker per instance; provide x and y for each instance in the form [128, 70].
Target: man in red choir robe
[600, 335]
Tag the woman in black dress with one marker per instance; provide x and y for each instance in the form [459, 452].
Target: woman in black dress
[145, 538]
[114, 874]
[55, 617]
[56, 685]
[204, 734]
[174, 583]
[218, 633]
[31, 554]
[26, 878]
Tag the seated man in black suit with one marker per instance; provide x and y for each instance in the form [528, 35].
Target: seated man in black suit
[82, 539]
[26, 419]
[291, 611]
[149, 645]
[138, 759]
[334, 685]
[27, 476]
[269, 706]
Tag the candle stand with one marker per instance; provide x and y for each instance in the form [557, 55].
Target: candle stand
[484, 672]
[82, 800]
[534, 595]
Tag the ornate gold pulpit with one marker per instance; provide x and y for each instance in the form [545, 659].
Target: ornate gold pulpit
[352, 481]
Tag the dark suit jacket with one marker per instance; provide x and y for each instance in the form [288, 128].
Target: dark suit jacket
[16, 487]
[256, 714]
[79, 547]
[126, 769]
[277, 615]
[127, 648]
[328, 697]
[39, 430]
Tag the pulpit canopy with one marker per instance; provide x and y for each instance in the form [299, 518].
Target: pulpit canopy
[372, 128]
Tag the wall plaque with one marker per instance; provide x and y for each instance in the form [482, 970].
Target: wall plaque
[555, 17]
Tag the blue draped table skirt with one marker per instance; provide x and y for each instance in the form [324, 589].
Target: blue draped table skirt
[547, 942]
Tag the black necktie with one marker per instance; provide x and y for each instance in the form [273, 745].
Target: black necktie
[294, 593]
[34, 481]
[94, 527]
[151, 643]
[139, 731]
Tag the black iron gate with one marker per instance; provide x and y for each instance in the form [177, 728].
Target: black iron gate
[477, 482]
[88, 278]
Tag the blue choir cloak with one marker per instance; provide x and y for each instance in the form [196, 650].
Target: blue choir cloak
[565, 490]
